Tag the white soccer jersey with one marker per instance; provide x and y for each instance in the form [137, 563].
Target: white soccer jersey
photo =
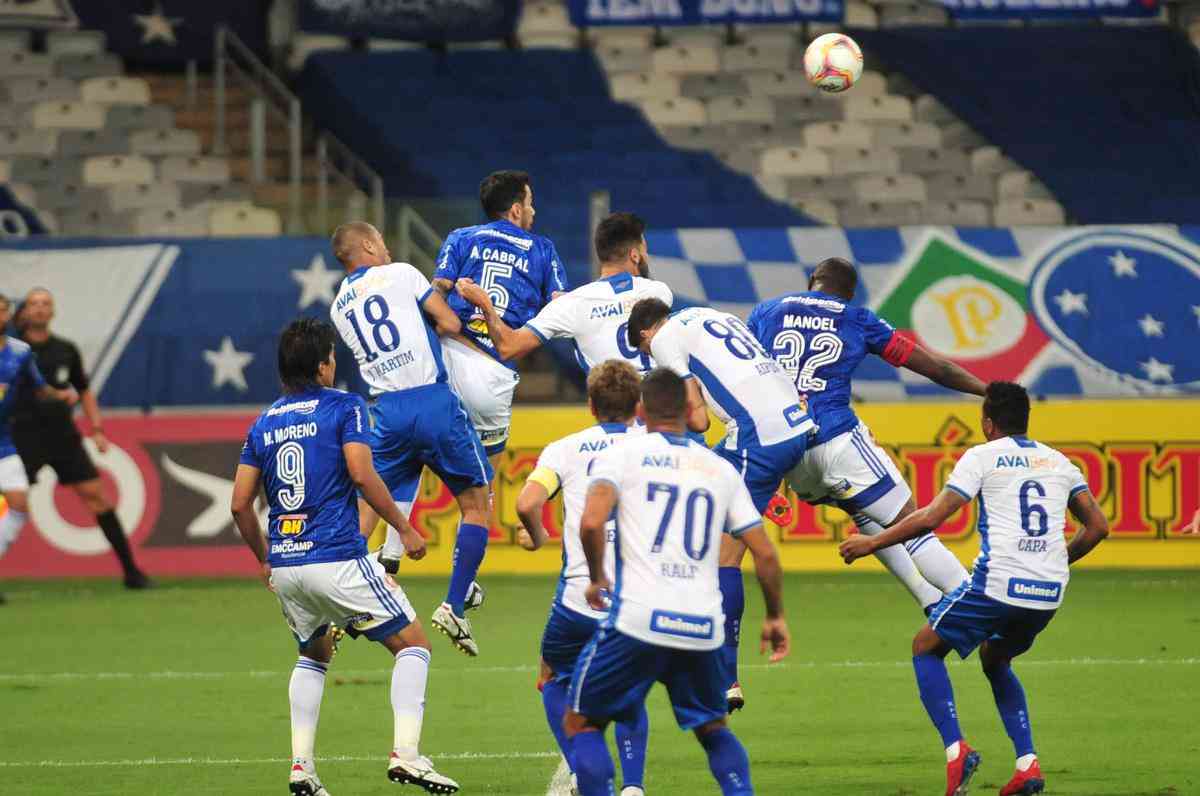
[595, 316]
[747, 389]
[569, 458]
[378, 314]
[675, 499]
[1023, 488]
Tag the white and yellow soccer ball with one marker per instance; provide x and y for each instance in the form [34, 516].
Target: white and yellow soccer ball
[833, 62]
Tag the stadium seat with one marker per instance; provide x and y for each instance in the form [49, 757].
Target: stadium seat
[15, 115]
[860, 15]
[75, 42]
[807, 109]
[927, 108]
[55, 115]
[901, 86]
[95, 223]
[41, 89]
[705, 87]
[244, 221]
[870, 84]
[81, 67]
[628, 86]
[906, 134]
[693, 136]
[674, 112]
[195, 169]
[692, 60]
[15, 41]
[198, 193]
[758, 110]
[694, 35]
[767, 135]
[624, 37]
[303, 45]
[83, 143]
[5, 172]
[392, 45]
[774, 187]
[62, 197]
[117, 170]
[165, 142]
[912, 15]
[793, 162]
[778, 84]
[832, 189]
[887, 108]
[961, 187]
[933, 160]
[20, 63]
[960, 134]
[770, 37]
[540, 18]
[115, 91]
[550, 41]
[742, 159]
[1029, 212]
[880, 214]
[131, 117]
[159, 222]
[28, 142]
[990, 160]
[754, 58]
[831, 135]
[1021, 185]
[821, 210]
[965, 213]
[890, 188]
[876, 160]
[617, 59]
[166, 195]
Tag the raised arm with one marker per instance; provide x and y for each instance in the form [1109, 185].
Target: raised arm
[445, 322]
[775, 634]
[919, 523]
[377, 496]
[1095, 525]
[942, 371]
[245, 488]
[510, 343]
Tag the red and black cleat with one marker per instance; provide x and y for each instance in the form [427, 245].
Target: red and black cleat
[960, 770]
[779, 510]
[1025, 782]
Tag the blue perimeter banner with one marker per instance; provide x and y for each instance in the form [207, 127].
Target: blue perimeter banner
[414, 20]
[586, 13]
[1049, 9]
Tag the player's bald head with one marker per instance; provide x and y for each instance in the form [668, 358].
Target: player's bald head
[358, 243]
[835, 276]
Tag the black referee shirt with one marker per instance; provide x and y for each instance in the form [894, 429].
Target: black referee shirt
[60, 364]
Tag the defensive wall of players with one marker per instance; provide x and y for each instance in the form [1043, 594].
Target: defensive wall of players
[172, 475]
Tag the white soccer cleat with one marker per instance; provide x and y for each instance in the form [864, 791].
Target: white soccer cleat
[475, 597]
[632, 790]
[735, 698]
[456, 628]
[419, 772]
[305, 783]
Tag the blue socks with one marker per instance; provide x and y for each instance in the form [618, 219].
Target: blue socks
[469, 548]
[631, 746]
[728, 762]
[938, 696]
[1010, 701]
[593, 766]
[554, 700]
[733, 603]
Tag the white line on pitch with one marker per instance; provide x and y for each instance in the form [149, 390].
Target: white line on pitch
[242, 761]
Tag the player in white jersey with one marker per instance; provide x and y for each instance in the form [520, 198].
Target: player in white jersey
[1024, 489]
[673, 499]
[390, 317]
[767, 425]
[614, 388]
[593, 315]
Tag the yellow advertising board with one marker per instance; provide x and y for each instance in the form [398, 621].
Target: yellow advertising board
[1141, 458]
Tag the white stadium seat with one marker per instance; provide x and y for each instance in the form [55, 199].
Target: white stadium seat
[706, 87]
[774, 187]
[1029, 212]
[41, 89]
[305, 44]
[674, 112]
[5, 172]
[117, 170]
[833, 189]
[793, 162]
[962, 187]
[115, 91]
[165, 195]
[16, 41]
[821, 210]
[778, 84]
[694, 35]
[990, 160]
[139, 117]
[869, 84]
[831, 135]
[1021, 185]
[759, 110]
[769, 37]
[616, 58]
[80, 67]
[808, 109]
[878, 108]
[890, 188]
[16, 63]
[907, 134]
[41, 170]
[28, 142]
[71, 196]
[755, 58]
[964, 213]
[912, 15]
[75, 42]
[84, 143]
[765, 136]
[393, 45]
[934, 160]
[550, 41]
[625, 37]
[68, 116]
[860, 15]
[246, 220]
[876, 160]
[627, 86]
[159, 222]
[165, 142]
[961, 134]
[694, 60]
[95, 224]
[927, 108]
[195, 169]
[880, 214]
[693, 136]
[743, 160]
[539, 18]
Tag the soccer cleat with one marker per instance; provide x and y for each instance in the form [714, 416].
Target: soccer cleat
[137, 580]
[390, 565]
[456, 628]
[1025, 782]
[305, 783]
[960, 770]
[779, 510]
[632, 790]
[735, 697]
[419, 772]
[475, 596]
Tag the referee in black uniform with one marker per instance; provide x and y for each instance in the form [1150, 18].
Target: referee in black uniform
[45, 433]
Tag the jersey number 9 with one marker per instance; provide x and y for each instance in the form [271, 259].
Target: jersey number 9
[289, 468]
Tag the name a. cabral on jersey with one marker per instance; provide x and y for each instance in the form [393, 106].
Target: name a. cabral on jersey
[503, 257]
[681, 624]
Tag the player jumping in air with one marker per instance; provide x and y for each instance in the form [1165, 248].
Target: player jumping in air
[1017, 583]
[390, 317]
[593, 315]
[613, 393]
[767, 425]
[674, 499]
[312, 450]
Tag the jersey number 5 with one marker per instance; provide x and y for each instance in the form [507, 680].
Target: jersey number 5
[697, 500]
[490, 282]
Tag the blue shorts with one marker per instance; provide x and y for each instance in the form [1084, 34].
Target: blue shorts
[965, 618]
[764, 466]
[615, 671]
[426, 427]
[567, 633]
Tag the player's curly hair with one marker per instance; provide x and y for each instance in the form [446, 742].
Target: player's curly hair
[613, 389]
[1007, 405]
[303, 346]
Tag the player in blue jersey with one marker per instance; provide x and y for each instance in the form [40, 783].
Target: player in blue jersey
[390, 317]
[673, 499]
[311, 450]
[614, 388]
[18, 374]
[521, 272]
[820, 339]
[1017, 583]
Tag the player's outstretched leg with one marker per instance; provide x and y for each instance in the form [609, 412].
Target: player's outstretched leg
[733, 604]
[937, 695]
[593, 765]
[305, 691]
[554, 701]
[410, 672]
[1010, 701]
[469, 549]
[936, 564]
[727, 758]
[632, 738]
[898, 562]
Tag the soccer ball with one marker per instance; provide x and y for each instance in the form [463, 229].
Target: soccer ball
[833, 62]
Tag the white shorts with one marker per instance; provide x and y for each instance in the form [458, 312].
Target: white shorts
[486, 388]
[853, 473]
[356, 595]
[12, 475]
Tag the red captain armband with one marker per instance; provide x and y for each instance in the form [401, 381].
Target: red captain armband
[898, 350]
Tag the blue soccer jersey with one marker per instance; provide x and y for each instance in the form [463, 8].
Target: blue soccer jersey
[18, 371]
[297, 444]
[519, 270]
[820, 340]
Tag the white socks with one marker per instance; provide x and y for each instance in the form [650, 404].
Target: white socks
[952, 752]
[408, 700]
[1025, 761]
[900, 564]
[393, 548]
[937, 564]
[10, 527]
[304, 693]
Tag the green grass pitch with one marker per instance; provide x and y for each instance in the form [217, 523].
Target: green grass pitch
[184, 690]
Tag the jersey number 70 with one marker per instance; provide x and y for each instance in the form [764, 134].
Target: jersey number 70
[697, 500]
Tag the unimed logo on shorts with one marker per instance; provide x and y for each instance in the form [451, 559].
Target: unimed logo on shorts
[681, 624]
[1044, 590]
